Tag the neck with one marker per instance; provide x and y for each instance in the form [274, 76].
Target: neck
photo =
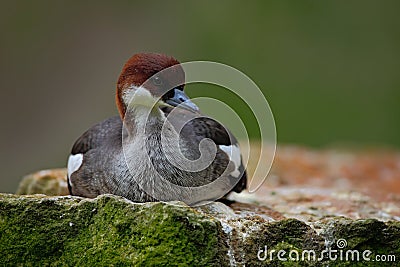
[141, 119]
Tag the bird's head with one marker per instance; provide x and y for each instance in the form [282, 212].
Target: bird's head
[152, 80]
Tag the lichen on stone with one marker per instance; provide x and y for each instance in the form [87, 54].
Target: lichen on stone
[51, 182]
[38, 230]
[109, 230]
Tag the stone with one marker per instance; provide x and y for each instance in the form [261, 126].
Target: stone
[49, 182]
[314, 201]
[110, 230]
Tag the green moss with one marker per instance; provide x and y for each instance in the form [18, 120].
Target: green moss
[111, 231]
[288, 235]
[293, 235]
[369, 234]
[105, 231]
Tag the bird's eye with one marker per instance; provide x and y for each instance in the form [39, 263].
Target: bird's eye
[157, 81]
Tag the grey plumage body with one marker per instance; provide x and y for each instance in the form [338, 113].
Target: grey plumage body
[105, 170]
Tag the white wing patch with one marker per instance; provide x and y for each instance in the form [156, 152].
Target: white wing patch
[233, 152]
[74, 163]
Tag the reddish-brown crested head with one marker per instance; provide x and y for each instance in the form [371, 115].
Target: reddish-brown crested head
[140, 68]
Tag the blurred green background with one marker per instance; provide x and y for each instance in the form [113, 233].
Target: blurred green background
[329, 69]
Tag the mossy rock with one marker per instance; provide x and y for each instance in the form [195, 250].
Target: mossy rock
[109, 230]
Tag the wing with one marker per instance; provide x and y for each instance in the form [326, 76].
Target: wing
[108, 131]
[97, 135]
[205, 127]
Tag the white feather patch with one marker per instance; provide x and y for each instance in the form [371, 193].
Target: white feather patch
[138, 96]
[233, 152]
[74, 163]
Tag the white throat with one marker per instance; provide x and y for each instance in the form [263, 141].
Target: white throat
[142, 108]
[138, 96]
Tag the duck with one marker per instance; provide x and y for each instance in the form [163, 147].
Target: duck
[160, 147]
